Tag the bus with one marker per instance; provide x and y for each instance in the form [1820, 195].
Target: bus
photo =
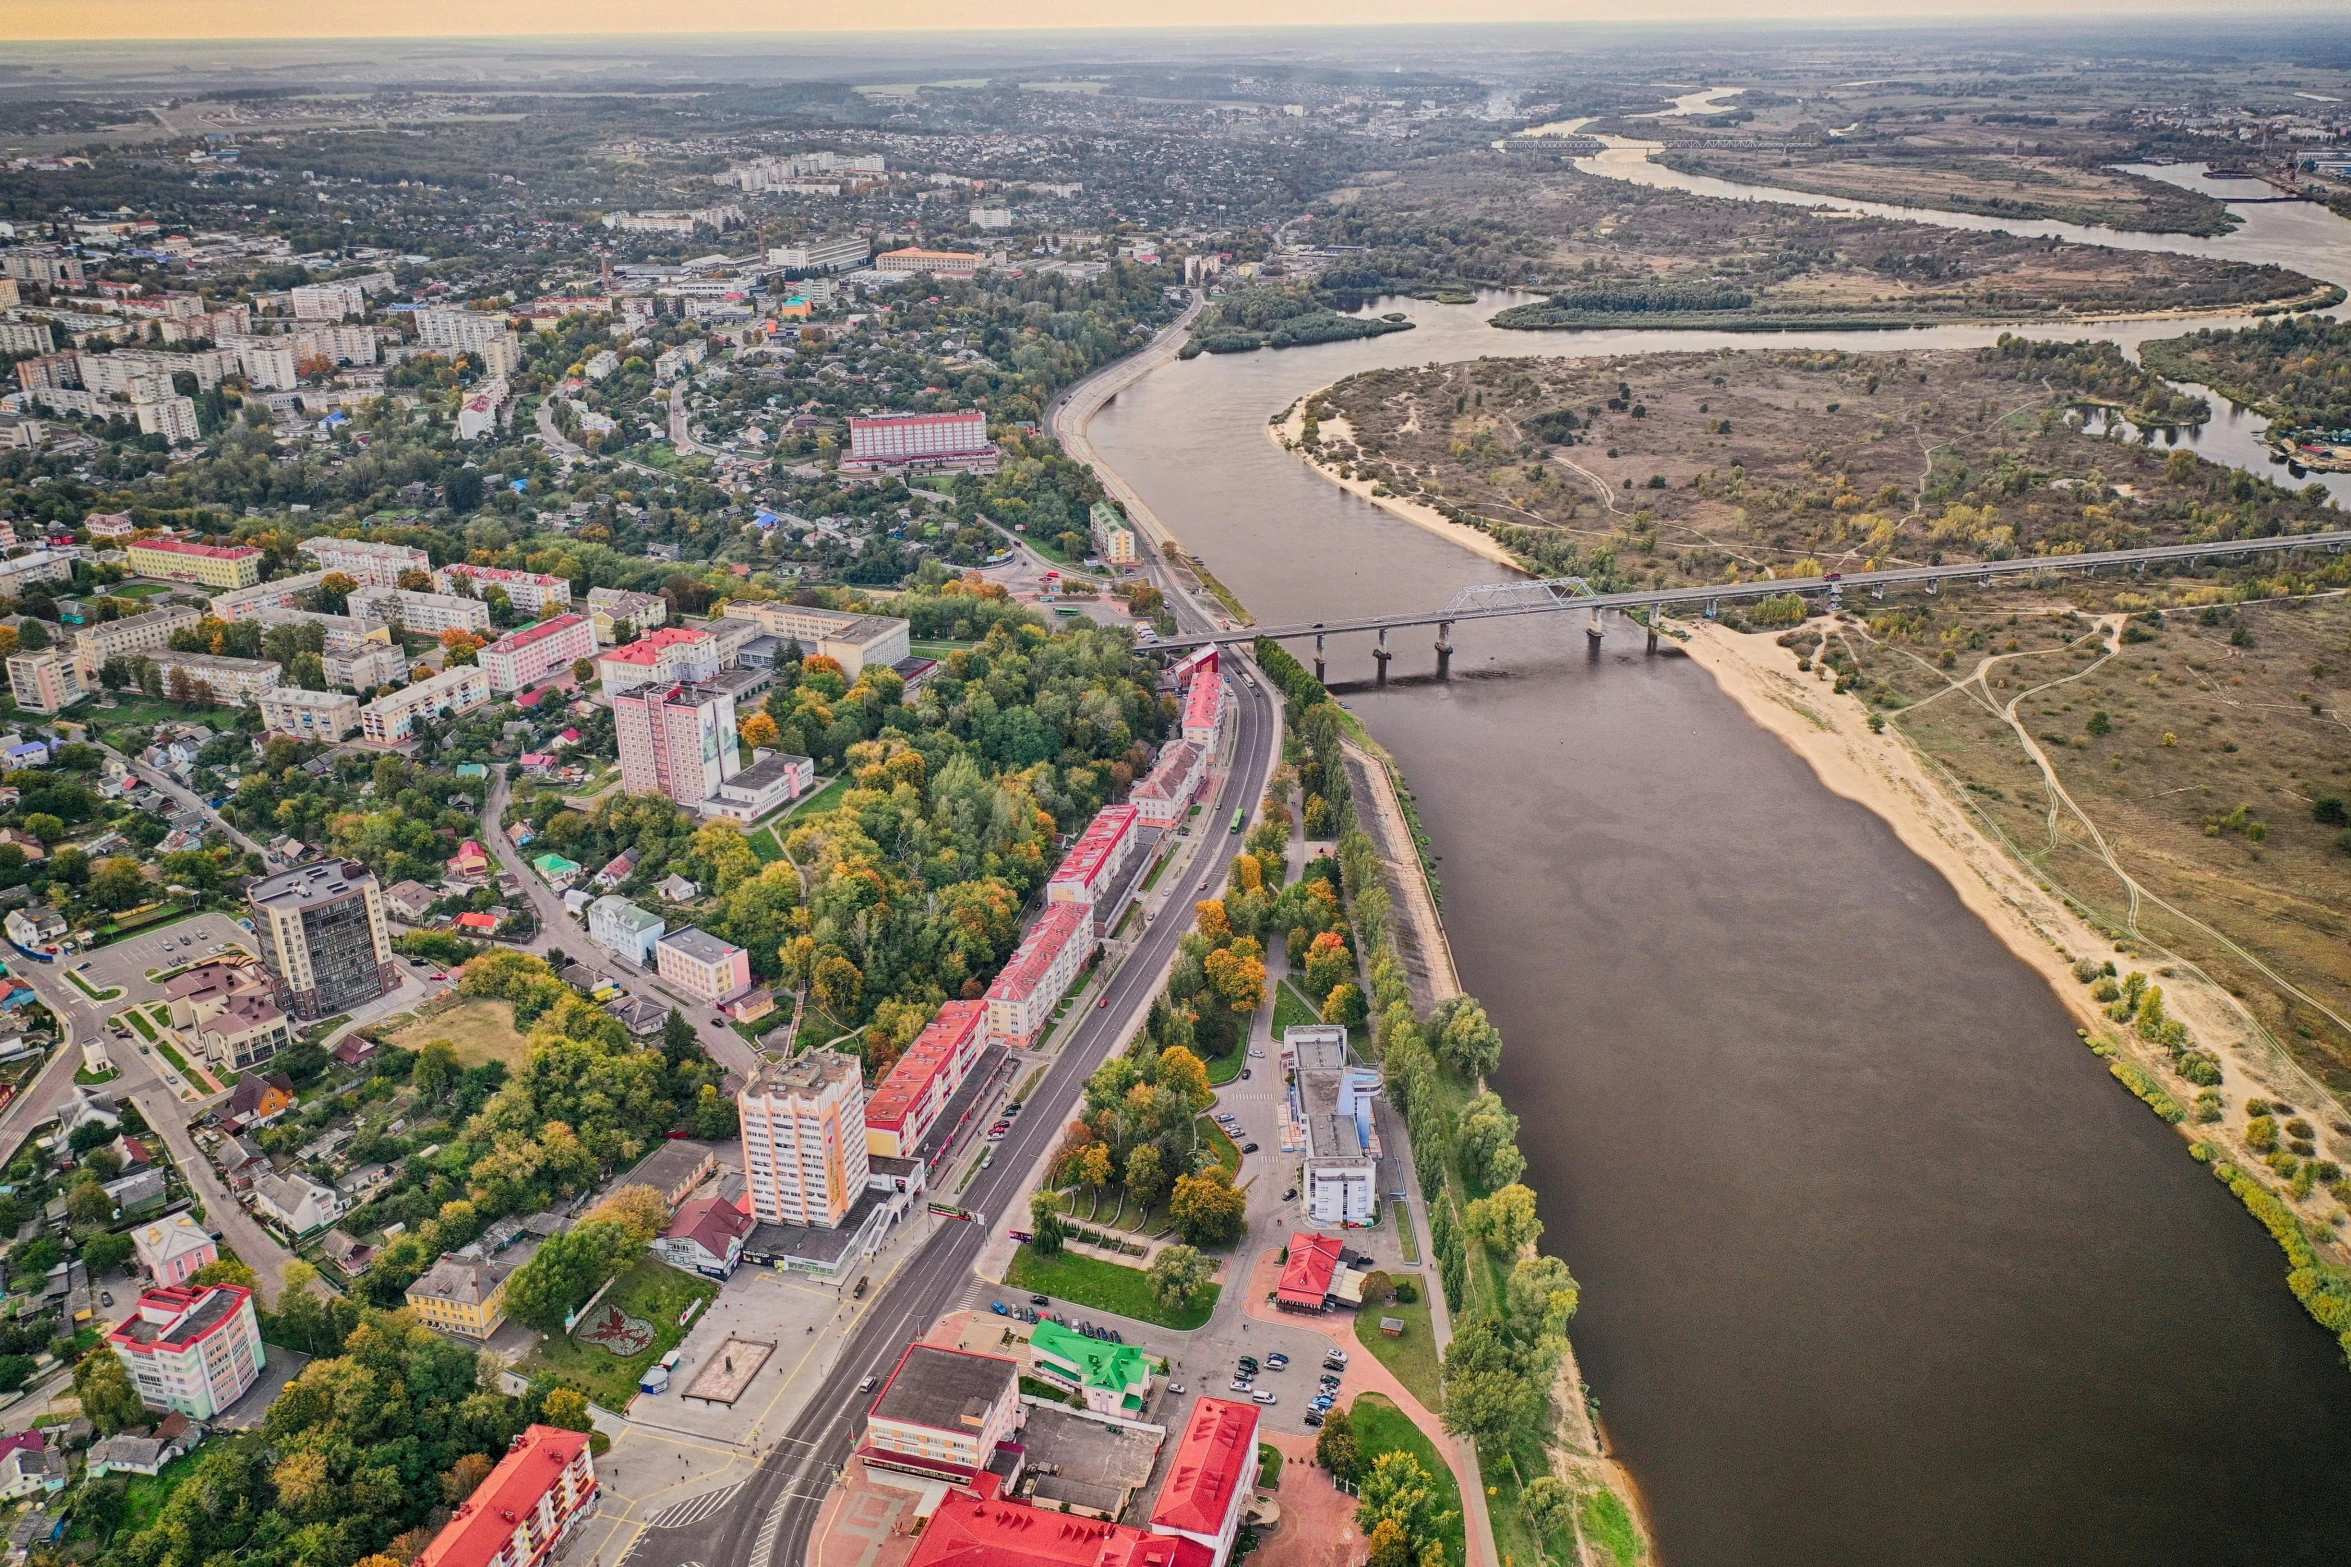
[1236, 827]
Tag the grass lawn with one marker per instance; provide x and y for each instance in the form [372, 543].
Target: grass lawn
[922, 649]
[763, 843]
[138, 1021]
[1269, 1466]
[1291, 1009]
[1380, 1427]
[1228, 1152]
[1224, 1069]
[652, 1291]
[144, 1495]
[1106, 1286]
[480, 1028]
[1413, 1356]
[826, 799]
[1404, 1236]
[173, 1056]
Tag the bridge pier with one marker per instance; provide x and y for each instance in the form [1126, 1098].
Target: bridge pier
[1592, 628]
[1380, 652]
[1652, 628]
[1318, 657]
[1444, 650]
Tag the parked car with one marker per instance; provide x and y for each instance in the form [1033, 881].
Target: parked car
[1248, 1362]
[1039, 1300]
[1291, 1195]
[1013, 1108]
[997, 1307]
[1264, 1397]
[1176, 1388]
[1256, 1054]
[1242, 1385]
[1277, 1360]
[1313, 1417]
[106, 1297]
[1336, 1357]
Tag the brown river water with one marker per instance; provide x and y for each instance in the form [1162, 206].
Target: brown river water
[1879, 1264]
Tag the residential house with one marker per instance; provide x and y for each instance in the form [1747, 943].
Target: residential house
[196, 1349]
[85, 1106]
[136, 1190]
[471, 862]
[241, 1160]
[346, 1253]
[623, 866]
[409, 900]
[145, 1455]
[675, 1168]
[30, 1471]
[297, 1203]
[676, 889]
[462, 1295]
[258, 1100]
[705, 1237]
[171, 1249]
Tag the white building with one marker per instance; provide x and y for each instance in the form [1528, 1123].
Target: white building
[391, 718]
[624, 930]
[1330, 1102]
[523, 658]
[529, 591]
[444, 329]
[368, 562]
[325, 716]
[172, 417]
[426, 614]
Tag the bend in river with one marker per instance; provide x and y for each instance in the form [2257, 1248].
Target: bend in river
[1879, 1263]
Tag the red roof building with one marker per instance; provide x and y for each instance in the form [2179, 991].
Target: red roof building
[1307, 1276]
[1208, 1483]
[974, 1529]
[706, 1237]
[906, 1104]
[1204, 709]
[1040, 972]
[1090, 871]
[525, 657]
[525, 1508]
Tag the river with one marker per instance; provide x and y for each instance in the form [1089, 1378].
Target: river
[1879, 1264]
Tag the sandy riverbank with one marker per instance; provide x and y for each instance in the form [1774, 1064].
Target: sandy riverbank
[1287, 434]
[1884, 773]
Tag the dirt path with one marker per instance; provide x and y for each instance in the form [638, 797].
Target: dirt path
[1423, 947]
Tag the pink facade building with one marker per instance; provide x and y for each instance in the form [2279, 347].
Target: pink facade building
[528, 591]
[1204, 709]
[193, 1348]
[677, 740]
[1162, 796]
[1090, 872]
[668, 653]
[1040, 972]
[526, 657]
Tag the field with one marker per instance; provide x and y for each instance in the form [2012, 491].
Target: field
[1916, 172]
[1678, 468]
[2202, 746]
[651, 1291]
[1380, 1427]
[1106, 1286]
[480, 1028]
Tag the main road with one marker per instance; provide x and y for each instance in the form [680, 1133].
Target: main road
[770, 1521]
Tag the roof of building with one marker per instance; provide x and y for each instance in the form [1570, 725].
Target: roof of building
[1203, 700]
[1033, 959]
[700, 945]
[188, 1312]
[516, 641]
[463, 1281]
[1212, 1468]
[485, 1521]
[968, 1531]
[676, 1160]
[1097, 848]
[253, 1087]
[501, 574]
[1175, 763]
[933, 1052]
[321, 881]
[209, 551]
[174, 1236]
[207, 980]
[647, 649]
[710, 1223]
[768, 771]
[808, 1074]
[1307, 1275]
[944, 1389]
[1099, 1363]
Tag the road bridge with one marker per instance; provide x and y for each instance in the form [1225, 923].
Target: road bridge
[1501, 600]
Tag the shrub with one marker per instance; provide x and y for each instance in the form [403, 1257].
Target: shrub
[2261, 1133]
[2199, 1068]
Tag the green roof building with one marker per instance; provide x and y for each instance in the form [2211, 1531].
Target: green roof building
[557, 870]
[1115, 1378]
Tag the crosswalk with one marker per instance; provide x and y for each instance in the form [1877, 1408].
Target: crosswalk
[765, 1545]
[678, 1515]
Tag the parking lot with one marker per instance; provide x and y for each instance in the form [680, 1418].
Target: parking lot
[127, 962]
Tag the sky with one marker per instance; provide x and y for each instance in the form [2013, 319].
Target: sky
[27, 20]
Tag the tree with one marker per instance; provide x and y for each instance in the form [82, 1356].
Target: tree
[1094, 1166]
[1548, 1505]
[637, 1207]
[722, 847]
[1181, 1073]
[1177, 1275]
[1147, 1175]
[1328, 962]
[1345, 1007]
[1542, 1297]
[1337, 1449]
[1237, 976]
[1463, 1038]
[1504, 1222]
[679, 1042]
[105, 1253]
[465, 1476]
[1377, 1287]
[759, 731]
[567, 1409]
[31, 635]
[335, 590]
[105, 1390]
[232, 1270]
[1487, 1141]
[1388, 1544]
[1397, 1488]
[118, 884]
[436, 1071]
[1206, 1209]
[1045, 1222]
[88, 1204]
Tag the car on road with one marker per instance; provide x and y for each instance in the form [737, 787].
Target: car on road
[1248, 1148]
[1264, 1397]
[869, 1384]
[1105, 1001]
[1039, 1300]
[1176, 1388]
[1256, 1054]
[716, 1022]
[418, 963]
[998, 1130]
[1245, 1074]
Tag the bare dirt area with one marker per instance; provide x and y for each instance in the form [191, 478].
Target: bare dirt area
[1674, 468]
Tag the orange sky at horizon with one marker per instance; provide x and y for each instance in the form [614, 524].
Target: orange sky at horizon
[26, 21]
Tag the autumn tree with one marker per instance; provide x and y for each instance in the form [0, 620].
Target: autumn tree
[566, 1408]
[1206, 1208]
[105, 1390]
[1146, 1176]
[1504, 1222]
[1327, 963]
[1396, 1488]
[1337, 1448]
[436, 1071]
[1177, 1275]
[760, 732]
[637, 1207]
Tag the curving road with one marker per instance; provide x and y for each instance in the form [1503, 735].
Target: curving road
[770, 1521]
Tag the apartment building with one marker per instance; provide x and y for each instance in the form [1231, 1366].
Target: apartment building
[445, 329]
[195, 1349]
[943, 1413]
[524, 658]
[527, 1508]
[365, 668]
[324, 716]
[324, 936]
[391, 718]
[233, 682]
[171, 416]
[939, 263]
[1114, 541]
[1097, 863]
[20, 572]
[701, 964]
[327, 301]
[529, 591]
[613, 609]
[623, 929]
[1039, 973]
[823, 255]
[279, 593]
[918, 441]
[368, 562]
[906, 1104]
[224, 566]
[853, 641]
[268, 364]
[677, 740]
[44, 681]
[804, 1138]
[1204, 709]
[462, 1295]
[665, 654]
[425, 614]
[1162, 796]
